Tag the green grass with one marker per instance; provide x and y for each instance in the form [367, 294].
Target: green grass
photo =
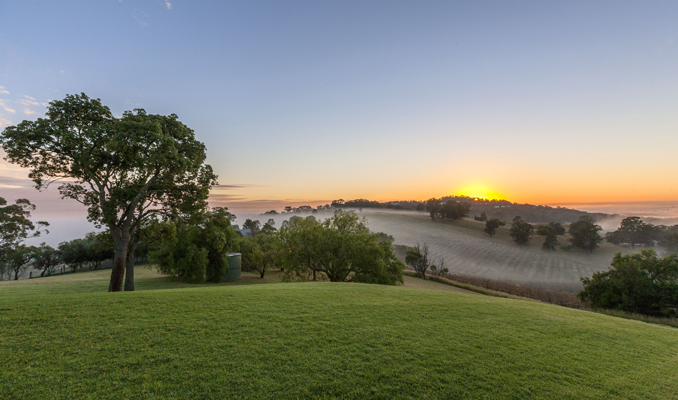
[66, 340]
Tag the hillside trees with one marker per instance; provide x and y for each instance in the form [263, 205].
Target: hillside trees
[641, 283]
[121, 169]
[550, 233]
[584, 234]
[521, 231]
[341, 247]
[633, 231]
[668, 238]
[449, 210]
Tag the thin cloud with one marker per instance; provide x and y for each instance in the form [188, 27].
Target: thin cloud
[3, 90]
[11, 182]
[168, 5]
[5, 106]
[238, 186]
[138, 17]
[29, 97]
[5, 122]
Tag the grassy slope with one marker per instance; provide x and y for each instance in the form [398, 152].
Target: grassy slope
[318, 340]
[468, 250]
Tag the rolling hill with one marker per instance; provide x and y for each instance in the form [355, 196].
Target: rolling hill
[68, 338]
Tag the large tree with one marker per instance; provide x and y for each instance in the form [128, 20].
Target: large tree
[122, 169]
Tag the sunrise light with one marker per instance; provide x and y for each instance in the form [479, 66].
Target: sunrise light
[479, 192]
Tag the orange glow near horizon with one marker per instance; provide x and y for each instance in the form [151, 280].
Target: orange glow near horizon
[479, 192]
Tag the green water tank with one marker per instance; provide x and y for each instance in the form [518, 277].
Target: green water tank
[234, 269]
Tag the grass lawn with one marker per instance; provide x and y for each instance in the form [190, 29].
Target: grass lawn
[68, 338]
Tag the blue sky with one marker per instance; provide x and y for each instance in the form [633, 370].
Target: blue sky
[305, 102]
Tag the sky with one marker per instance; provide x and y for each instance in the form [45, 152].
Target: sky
[304, 102]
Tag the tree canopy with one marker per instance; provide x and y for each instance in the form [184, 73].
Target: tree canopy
[121, 169]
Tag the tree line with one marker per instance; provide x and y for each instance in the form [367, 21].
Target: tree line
[143, 178]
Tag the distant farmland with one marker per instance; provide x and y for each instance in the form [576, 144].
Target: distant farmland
[469, 251]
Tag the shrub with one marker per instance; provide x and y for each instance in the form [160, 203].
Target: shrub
[639, 283]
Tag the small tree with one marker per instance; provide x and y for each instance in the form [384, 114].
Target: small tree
[558, 228]
[491, 226]
[45, 259]
[74, 253]
[259, 253]
[440, 269]
[584, 233]
[417, 258]
[521, 231]
[268, 229]
[15, 227]
[551, 238]
[17, 259]
[253, 226]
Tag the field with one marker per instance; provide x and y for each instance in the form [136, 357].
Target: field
[469, 251]
[65, 337]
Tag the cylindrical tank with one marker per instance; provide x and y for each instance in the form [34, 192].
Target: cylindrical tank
[234, 269]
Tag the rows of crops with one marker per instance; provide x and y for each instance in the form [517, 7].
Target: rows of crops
[467, 250]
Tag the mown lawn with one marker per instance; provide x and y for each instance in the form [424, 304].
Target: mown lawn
[320, 340]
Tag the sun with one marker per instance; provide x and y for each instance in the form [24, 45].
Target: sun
[479, 192]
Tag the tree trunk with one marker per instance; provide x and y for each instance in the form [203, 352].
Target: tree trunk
[16, 274]
[118, 268]
[262, 274]
[129, 266]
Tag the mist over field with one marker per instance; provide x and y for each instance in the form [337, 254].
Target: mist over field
[467, 250]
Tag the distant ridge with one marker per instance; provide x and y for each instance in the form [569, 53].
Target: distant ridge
[501, 209]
